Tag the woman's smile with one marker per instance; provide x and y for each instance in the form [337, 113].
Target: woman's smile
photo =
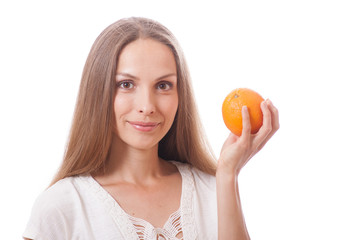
[144, 126]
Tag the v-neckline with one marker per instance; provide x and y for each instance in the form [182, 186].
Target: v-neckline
[122, 220]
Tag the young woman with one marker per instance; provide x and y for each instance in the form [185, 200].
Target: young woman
[137, 165]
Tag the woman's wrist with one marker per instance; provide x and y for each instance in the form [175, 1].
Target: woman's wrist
[226, 171]
[225, 175]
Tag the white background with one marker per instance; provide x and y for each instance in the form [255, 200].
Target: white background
[303, 55]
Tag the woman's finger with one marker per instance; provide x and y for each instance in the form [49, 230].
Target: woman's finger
[275, 115]
[274, 119]
[266, 128]
[246, 130]
[274, 123]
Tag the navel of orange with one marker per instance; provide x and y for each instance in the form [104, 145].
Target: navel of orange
[231, 110]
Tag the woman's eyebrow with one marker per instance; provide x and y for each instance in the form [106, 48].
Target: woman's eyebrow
[167, 75]
[136, 78]
[126, 75]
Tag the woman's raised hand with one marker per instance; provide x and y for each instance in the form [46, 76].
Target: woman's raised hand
[237, 150]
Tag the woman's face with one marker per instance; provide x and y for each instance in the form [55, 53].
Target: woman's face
[146, 98]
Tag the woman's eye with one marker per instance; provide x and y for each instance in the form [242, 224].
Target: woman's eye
[165, 86]
[125, 85]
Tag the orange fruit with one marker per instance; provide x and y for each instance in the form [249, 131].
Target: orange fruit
[231, 110]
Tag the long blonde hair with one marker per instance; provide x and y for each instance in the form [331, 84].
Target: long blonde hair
[91, 133]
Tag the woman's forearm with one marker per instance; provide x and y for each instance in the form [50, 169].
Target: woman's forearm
[231, 222]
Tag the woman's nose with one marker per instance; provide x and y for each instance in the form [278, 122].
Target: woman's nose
[145, 103]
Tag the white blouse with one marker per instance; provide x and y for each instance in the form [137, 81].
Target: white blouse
[79, 208]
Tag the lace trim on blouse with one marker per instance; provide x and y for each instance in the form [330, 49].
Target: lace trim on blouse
[171, 230]
[182, 221]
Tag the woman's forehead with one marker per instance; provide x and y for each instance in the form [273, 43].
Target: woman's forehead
[146, 56]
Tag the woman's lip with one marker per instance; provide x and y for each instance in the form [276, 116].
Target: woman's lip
[144, 126]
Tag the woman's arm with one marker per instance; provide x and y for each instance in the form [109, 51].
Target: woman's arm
[231, 222]
[235, 153]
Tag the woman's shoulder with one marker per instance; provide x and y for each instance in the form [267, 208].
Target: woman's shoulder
[51, 208]
[59, 196]
[60, 189]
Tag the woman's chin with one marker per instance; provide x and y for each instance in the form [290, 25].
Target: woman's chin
[140, 143]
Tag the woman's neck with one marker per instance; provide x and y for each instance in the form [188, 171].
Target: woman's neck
[138, 166]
